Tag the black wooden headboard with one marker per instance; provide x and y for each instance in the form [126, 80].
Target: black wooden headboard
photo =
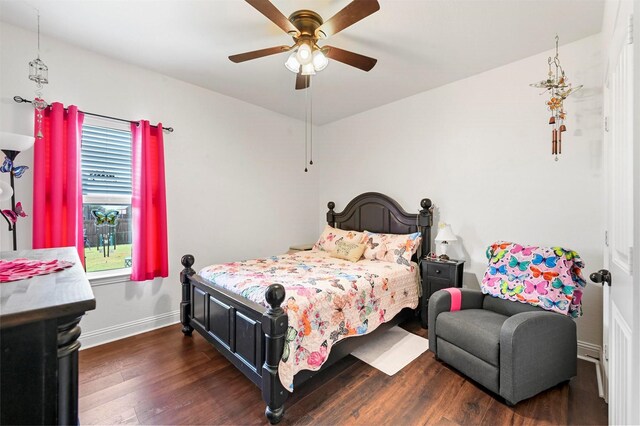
[379, 213]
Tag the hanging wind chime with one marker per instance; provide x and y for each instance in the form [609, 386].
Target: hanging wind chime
[559, 89]
[39, 73]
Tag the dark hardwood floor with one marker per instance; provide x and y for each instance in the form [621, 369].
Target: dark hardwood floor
[161, 377]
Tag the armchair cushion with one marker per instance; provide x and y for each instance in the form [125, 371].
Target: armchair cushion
[469, 365]
[440, 301]
[506, 307]
[476, 331]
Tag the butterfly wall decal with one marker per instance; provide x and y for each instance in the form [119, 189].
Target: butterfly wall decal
[8, 167]
[109, 218]
[13, 215]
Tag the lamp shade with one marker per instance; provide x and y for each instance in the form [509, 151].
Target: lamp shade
[304, 54]
[307, 69]
[320, 61]
[292, 63]
[445, 234]
[5, 191]
[15, 142]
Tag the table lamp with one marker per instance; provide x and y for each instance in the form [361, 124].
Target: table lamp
[444, 237]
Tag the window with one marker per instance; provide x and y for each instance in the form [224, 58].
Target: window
[106, 193]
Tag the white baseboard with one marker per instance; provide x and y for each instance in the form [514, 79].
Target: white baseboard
[589, 350]
[120, 331]
[603, 380]
[593, 353]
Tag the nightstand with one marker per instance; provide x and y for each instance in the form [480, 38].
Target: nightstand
[300, 247]
[436, 275]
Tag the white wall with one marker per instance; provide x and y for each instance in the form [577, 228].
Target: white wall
[235, 184]
[480, 149]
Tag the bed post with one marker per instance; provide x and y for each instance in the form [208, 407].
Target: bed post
[331, 219]
[185, 305]
[425, 221]
[274, 326]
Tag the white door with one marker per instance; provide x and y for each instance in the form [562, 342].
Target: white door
[621, 345]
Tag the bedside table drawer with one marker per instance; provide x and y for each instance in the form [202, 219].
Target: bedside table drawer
[443, 271]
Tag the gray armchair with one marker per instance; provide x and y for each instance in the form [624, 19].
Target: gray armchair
[513, 349]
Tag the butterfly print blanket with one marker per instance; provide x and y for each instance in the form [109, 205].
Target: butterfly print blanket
[327, 299]
[547, 277]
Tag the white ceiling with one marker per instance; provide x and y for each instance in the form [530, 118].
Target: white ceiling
[419, 44]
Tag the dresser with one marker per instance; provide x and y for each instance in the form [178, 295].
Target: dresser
[39, 330]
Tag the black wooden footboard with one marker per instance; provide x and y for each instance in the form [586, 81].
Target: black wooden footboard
[249, 335]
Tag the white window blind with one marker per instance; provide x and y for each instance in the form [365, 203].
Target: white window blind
[106, 161]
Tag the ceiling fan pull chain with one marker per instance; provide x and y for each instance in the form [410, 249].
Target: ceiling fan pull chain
[311, 124]
[306, 123]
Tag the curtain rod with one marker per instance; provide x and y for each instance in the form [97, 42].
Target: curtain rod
[21, 100]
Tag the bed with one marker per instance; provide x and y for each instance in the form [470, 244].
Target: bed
[253, 335]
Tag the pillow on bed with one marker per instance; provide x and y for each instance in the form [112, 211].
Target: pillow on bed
[330, 235]
[348, 251]
[395, 248]
[375, 247]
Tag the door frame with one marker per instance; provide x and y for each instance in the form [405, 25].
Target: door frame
[636, 221]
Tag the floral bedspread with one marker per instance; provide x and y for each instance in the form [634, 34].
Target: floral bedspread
[327, 299]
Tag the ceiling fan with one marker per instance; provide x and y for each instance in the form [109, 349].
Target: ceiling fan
[307, 28]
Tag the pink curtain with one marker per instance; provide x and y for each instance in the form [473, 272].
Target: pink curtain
[57, 183]
[149, 204]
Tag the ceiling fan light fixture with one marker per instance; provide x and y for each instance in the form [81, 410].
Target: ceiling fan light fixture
[292, 63]
[320, 61]
[307, 69]
[304, 54]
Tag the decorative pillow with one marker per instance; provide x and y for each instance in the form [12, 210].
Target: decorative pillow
[548, 277]
[395, 248]
[348, 251]
[375, 249]
[330, 235]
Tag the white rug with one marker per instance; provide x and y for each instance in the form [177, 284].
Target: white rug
[392, 351]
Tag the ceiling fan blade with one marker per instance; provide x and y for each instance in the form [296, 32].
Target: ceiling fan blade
[270, 11]
[352, 13]
[302, 81]
[365, 63]
[247, 56]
